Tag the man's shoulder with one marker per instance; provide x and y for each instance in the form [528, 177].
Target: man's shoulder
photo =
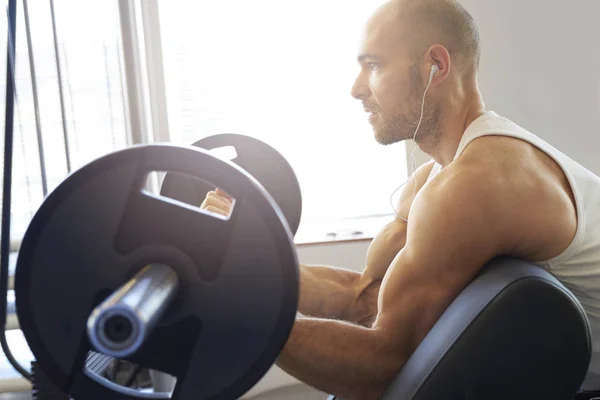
[471, 187]
[494, 163]
[509, 189]
[459, 187]
[495, 149]
[494, 166]
[462, 205]
[472, 173]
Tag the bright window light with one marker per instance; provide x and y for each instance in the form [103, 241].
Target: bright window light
[282, 71]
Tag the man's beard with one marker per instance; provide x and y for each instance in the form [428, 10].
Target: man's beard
[399, 126]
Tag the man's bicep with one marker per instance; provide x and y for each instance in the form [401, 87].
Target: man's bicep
[392, 237]
[447, 244]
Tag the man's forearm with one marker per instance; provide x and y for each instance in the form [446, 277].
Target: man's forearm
[338, 358]
[336, 293]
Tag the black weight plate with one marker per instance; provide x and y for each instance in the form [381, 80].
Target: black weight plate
[239, 276]
[260, 160]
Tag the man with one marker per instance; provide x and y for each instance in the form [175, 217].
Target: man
[491, 189]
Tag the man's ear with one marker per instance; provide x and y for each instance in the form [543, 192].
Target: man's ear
[438, 55]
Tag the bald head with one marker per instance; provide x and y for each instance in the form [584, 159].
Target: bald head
[420, 24]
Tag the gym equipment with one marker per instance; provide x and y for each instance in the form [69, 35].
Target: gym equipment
[120, 324]
[514, 333]
[257, 158]
[102, 247]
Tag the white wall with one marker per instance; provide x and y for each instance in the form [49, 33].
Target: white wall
[540, 67]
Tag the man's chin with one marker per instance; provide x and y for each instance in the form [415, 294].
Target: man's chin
[385, 141]
[385, 138]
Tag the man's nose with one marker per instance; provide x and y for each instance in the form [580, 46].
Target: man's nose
[360, 90]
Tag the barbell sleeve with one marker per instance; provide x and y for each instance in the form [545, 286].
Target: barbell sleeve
[120, 324]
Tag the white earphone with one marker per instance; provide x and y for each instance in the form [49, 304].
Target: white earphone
[434, 70]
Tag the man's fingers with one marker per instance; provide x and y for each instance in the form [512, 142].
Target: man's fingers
[223, 193]
[216, 194]
[216, 202]
[216, 210]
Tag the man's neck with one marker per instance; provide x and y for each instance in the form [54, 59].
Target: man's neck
[453, 129]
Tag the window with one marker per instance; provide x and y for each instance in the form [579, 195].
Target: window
[89, 51]
[282, 71]
[278, 71]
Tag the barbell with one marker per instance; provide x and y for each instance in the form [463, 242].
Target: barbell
[108, 266]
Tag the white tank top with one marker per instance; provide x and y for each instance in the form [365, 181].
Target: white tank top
[578, 267]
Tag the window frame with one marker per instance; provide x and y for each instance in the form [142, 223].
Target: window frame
[135, 96]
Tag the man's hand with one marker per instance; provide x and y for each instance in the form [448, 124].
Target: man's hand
[218, 202]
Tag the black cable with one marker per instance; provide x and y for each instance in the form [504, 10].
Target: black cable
[7, 185]
[12, 51]
[60, 88]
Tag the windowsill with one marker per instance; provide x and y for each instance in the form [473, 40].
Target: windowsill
[339, 231]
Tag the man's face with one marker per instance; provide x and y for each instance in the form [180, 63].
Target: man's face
[390, 85]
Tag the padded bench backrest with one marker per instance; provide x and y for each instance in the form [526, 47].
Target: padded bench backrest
[514, 333]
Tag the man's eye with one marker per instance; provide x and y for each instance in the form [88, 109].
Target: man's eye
[372, 66]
